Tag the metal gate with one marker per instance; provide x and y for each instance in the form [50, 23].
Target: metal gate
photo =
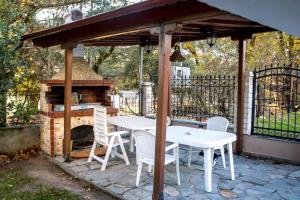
[276, 102]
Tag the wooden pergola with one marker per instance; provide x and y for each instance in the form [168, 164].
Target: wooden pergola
[163, 23]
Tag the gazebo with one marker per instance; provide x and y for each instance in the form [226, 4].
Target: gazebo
[162, 23]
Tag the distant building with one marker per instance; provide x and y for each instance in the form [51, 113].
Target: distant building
[181, 71]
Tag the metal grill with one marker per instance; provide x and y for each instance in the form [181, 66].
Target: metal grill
[276, 102]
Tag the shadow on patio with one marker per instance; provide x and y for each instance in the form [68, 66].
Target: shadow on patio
[255, 179]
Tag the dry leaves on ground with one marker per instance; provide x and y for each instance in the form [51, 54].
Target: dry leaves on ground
[20, 155]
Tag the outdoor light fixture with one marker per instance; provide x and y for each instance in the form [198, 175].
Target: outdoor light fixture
[211, 37]
[176, 56]
[148, 46]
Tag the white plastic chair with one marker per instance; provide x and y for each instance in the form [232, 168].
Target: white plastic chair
[145, 143]
[110, 140]
[214, 124]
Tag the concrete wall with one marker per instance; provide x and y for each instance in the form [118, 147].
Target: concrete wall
[13, 139]
[272, 148]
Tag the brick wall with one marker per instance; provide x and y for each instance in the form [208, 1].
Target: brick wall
[248, 94]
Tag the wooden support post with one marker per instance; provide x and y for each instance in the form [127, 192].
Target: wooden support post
[170, 94]
[240, 99]
[67, 99]
[165, 40]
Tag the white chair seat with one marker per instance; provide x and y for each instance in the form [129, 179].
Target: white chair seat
[168, 159]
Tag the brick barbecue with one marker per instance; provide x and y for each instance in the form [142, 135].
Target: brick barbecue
[88, 90]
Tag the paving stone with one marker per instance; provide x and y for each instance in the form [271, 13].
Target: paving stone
[273, 196]
[263, 189]
[137, 193]
[288, 195]
[227, 194]
[249, 198]
[214, 196]
[244, 186]
[293, 182]
[118, 189]
[148, 187]
[225, 186]
[77, 162]
[103, 183]
[182, 198]
[237, 191]
[168, 197]
[254, 192]
[198, 197]
[172, 191]
[278, 184]
[276, 176]
[253, 180]
[94, 166]
[186, 189]
[226, 173]
[80, 168]
[201, 187]
[130, 196]
[228, 184]
[128, 180]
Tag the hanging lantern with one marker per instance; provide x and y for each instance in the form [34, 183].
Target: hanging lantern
[176, 56]
[148, 47]
[211, 37]
[147, 44]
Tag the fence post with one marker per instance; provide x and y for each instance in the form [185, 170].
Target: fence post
[147, 98]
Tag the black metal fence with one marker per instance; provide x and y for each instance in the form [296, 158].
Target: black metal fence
[276, 102]
[201, 97]
[194, 97]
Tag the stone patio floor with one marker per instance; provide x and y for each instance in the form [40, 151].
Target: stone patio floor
[255, 179]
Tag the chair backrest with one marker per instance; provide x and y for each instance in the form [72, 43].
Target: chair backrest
[145, 144]
[100, 125]
[217, 124]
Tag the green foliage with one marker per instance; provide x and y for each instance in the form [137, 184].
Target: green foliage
[16, 185]
[272, 48]
[14, 16]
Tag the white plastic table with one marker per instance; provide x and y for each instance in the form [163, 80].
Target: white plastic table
[206, 140]
[133, 123]
[202, 138]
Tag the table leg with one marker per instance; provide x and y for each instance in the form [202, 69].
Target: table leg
[230, 154]
[131, 141]
[207, 169]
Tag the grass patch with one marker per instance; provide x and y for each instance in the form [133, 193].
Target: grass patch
[16, 185]
[282, 123]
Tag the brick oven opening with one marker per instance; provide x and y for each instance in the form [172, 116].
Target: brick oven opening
[82, 137]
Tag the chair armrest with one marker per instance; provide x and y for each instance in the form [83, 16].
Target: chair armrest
[118, 133]
[172, 146]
